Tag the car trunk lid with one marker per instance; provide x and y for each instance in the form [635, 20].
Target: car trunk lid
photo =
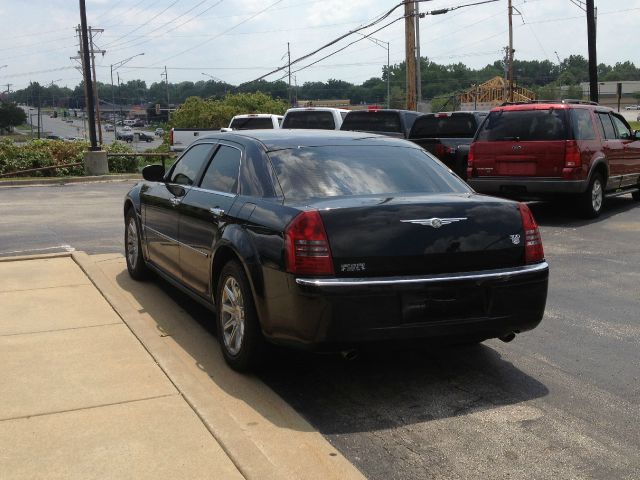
[423, 234]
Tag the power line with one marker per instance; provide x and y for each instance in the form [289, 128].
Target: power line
[132, 43]
[228, 30]
[142, 25]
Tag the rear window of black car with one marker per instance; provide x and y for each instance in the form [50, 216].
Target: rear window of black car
[330, 171]
[372, 122]
[524, 125]
[309, 119]
[256, 123]
[453, 126]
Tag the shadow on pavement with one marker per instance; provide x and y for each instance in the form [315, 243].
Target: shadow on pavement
[564, 213]
[380, 389]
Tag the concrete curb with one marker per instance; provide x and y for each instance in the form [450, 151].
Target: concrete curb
[262, 435]
[65, 180]
[37, 256]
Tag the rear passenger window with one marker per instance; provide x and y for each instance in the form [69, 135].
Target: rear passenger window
[582, 125]
[623, 131]
[606, 129]
[223, 171]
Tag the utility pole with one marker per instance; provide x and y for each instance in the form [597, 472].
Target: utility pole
[95, 83]
[166, 80]
[289, 64]
[86, 72]
[410, 54]
[510, 55]
[593, 63]
[418, 60]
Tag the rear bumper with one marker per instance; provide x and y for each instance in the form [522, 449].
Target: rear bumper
[323, 313]
[527, 186]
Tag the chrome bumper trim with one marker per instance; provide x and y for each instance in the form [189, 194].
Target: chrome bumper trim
[501, 274]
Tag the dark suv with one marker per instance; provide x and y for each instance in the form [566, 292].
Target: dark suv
[389, 122]
[544, 150]
[448, 135]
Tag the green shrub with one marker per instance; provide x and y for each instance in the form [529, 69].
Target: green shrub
[41, 153]
[122, 164]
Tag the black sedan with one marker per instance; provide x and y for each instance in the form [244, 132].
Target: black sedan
[326, 239]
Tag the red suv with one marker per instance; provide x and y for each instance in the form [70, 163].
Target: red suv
[544, 150]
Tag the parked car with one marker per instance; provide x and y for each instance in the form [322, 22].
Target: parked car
[334, 239]
[543, 150]
[124, 135]
[54, 137]
[255, 121]
[143, 136]
[322, 118]
[109, 127]
[158, 132]
[448, 135]
[390, 122]
[632, 107]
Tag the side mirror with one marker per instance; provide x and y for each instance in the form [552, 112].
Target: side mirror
[153, 173]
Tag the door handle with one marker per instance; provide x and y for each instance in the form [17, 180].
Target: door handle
[175, 201]
[217, 212]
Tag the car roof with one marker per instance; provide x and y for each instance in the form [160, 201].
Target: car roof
[257, 115]
[317, 109]
[278, 139]
[549, 105]
[458, 112]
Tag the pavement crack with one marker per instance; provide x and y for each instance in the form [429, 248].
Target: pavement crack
[43, 414]
[60, 329]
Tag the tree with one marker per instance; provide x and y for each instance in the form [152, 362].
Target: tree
[196, 112]
[11, 116]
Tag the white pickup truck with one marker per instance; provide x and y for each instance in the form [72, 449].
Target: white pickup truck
[181, 138]
[322, 118]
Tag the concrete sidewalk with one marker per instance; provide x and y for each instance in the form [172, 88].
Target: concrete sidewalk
[87, 395]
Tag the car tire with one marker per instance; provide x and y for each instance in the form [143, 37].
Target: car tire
[239, 333]
[136, 264]
[592, 200]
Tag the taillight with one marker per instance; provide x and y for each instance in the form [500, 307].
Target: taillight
[171, 137]
[470, 160]
[533, 251]
[442, 150]
[307, 249]
[572, 157]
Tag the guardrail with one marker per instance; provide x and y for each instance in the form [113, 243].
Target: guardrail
[77, 164]
[163, 155]
[40, 169]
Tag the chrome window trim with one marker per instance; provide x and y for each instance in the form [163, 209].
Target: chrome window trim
[173, 240]
[217, 192]
[504, 273]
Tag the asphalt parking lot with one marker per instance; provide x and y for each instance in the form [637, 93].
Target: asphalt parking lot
[560, 402]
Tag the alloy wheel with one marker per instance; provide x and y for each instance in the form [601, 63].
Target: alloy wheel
[596, 195]
[132, 242]
[232, 315]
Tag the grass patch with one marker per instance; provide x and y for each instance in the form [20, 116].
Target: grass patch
[634, 125]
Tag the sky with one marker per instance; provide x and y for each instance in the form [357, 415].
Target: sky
[240, 40]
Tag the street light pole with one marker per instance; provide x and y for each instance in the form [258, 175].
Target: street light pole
[117, 65]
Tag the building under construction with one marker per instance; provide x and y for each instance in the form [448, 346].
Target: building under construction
[491, 94]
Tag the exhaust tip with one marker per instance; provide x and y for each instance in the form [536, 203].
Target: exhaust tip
[349, 355]
[508, 337]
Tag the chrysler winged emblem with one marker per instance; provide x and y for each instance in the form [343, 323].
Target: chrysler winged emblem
[434, 222]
